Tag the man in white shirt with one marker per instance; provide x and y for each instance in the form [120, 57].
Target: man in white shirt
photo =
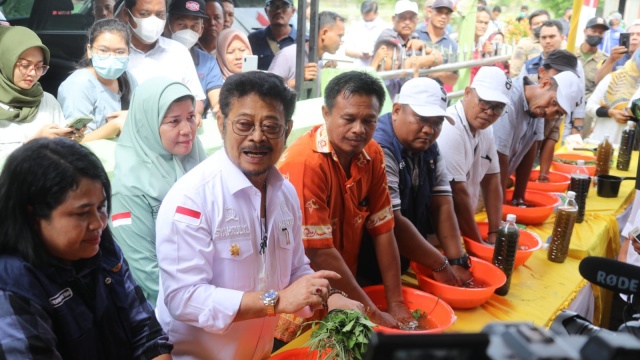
[152, 55]
[361, 36]
[229, 235]
[469, 150]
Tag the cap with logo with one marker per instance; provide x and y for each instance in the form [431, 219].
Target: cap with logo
[188, 7]
[406, 5]
[597, 21]
[492, 84]
[426, 97]
[442, 3]
[562, 60]
[569, 91]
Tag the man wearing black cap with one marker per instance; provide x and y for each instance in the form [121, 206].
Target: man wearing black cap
[437, 37]
[185, 26]
[591, 58]
[267, 42]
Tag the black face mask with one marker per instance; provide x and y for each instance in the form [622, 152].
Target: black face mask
[536, 31]
[593, 40]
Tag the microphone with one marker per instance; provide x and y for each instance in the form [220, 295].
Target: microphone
[611, 274]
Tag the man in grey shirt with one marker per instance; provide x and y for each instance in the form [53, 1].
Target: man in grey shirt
[518, 132]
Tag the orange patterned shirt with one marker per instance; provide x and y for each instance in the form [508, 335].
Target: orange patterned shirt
[336, 210]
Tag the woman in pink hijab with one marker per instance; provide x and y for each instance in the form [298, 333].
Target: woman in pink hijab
[232, 46]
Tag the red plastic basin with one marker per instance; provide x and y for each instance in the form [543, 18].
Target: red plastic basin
[527, 244]
[484, 273]
[543, 206]
[441, 315]
[558, 182]
[568, 169]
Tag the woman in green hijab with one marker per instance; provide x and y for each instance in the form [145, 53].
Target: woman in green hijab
[157, 146]
[26, 111]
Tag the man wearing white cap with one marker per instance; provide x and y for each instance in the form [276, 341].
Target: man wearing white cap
[469, 150]
[518, 133]
[404, 25]
[418, 185]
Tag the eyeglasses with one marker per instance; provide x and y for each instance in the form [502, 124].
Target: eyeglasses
[275, 7]
[26, 67]
[497, 108]
[106, 53]
[271, 130]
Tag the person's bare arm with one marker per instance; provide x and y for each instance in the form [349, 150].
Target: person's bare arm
[464, 211]
[503, 159]
[330, 259]
[199, 112]
[448, 231]
[607, 67]
[214, 97]
[310, 290]
[447, 78]
[523, 171]
[415, 247]
[389, 260]
[492, 196]
[546, 157]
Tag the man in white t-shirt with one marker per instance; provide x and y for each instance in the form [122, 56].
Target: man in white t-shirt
[152, 55]
[469, 151]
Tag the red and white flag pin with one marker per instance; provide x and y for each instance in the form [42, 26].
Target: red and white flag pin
[123, 218]
[186, 215]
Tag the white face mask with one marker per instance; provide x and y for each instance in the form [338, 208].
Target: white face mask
[186, 37]
[149, 29]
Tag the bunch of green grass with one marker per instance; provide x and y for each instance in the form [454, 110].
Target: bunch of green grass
[342, 334]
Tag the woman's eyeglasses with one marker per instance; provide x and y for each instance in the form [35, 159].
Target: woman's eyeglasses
[26, 67]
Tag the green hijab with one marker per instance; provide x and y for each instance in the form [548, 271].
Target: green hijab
[14, 40]
[143, 165]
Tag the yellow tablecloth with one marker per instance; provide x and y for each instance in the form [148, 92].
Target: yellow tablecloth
[540, 289]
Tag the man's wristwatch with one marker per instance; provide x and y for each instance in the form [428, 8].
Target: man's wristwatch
[464, 261]
[269, 299]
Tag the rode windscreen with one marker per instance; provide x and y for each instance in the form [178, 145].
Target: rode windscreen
[611, 274]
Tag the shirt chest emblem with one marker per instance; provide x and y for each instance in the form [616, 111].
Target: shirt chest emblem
[61, 297]
[230, 214]
[235, 250]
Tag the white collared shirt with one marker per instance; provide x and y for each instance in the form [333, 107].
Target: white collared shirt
[168, 58]
[14, 134]
[468, 158]
[208, 240]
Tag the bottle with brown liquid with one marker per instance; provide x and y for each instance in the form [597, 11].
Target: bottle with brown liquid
[504, 254]
[580, 181]
[562, 229]
[603, 157]
[626, 146]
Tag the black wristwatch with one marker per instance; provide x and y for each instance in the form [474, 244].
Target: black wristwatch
[464, 261]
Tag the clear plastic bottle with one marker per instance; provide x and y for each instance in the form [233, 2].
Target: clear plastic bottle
[504, 254]
[580, 181]
[562, 229]
[626, 146]
[603, 157]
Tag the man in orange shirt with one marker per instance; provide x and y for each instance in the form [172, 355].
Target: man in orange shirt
[339, 175]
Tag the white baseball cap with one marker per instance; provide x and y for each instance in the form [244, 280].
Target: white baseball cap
[492, 84]
[406, 5]
[569, 91]
[426, 97]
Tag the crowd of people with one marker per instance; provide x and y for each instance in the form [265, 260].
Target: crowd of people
[193, 256]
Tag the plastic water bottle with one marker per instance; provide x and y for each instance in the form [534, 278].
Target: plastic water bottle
[504, 255]
[603, 157]
[626, 146]
[580, 182]
[562, 229]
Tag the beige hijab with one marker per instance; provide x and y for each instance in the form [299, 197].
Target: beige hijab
[224, 40]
